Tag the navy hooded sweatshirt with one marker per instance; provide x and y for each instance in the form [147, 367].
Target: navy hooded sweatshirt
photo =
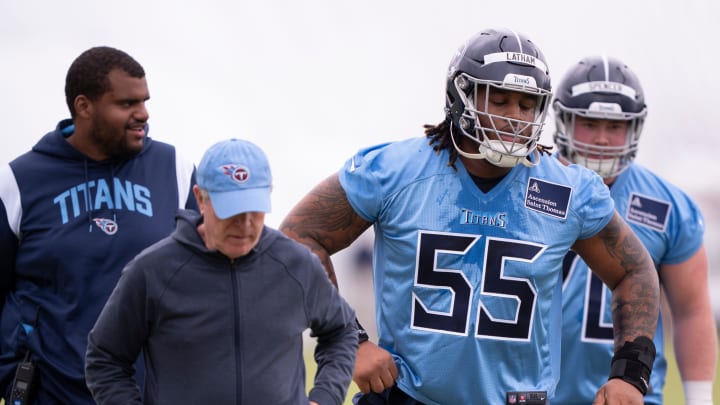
[68, 225]
[220, 331]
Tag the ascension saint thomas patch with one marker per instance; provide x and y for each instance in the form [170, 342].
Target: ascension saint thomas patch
[647, 211]
[548, 198]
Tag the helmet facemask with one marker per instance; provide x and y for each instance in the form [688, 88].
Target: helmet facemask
[599, 88]
[606, 161]
[502, 141]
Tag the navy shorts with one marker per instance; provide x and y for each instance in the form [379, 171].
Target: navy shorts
[391, 396]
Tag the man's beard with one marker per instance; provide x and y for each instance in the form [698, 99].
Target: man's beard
[115, 146]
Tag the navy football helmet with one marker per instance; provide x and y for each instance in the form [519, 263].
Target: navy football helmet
[497, 59]
[599, 87]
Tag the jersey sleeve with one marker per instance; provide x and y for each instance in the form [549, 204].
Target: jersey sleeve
[687, 227]
[595, 205]
[363, 187]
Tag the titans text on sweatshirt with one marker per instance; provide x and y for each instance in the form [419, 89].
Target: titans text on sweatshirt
[68, 225]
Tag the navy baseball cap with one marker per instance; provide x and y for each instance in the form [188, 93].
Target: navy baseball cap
[236, 175]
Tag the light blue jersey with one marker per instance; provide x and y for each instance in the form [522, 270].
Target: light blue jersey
[467, 284]
[671, 227]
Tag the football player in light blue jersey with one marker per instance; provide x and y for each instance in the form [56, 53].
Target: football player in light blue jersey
[600, 109]
[471, 226]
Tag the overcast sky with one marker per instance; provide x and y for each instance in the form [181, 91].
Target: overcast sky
[312, 81]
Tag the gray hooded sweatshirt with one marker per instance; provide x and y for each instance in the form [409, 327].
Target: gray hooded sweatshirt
[219, 331]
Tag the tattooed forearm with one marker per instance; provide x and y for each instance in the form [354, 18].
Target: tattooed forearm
[634, 308]
[325, 222]
[618, 258]
[635, 297]
[622, 245]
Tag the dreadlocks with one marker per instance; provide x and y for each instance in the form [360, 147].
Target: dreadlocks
[440, 139]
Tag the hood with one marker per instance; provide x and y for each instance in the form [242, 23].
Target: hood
[55, 143]
[186, 233]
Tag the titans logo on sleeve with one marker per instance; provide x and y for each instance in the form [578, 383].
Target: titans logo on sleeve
[649, 212]
[548, 198]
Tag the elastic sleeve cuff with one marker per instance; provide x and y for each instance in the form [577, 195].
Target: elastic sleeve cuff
[698, 392]
[322, 397]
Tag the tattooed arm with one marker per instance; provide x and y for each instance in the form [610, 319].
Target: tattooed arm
[325, 222]
[621, 261]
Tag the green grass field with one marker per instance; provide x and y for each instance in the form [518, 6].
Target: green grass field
[673, 388]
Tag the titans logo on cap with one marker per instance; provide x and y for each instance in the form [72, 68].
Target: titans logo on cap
[238, 173]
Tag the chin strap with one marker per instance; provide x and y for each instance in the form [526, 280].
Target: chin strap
[503, 159]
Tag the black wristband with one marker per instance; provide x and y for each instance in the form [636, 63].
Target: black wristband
[633, 363]
[362, 334]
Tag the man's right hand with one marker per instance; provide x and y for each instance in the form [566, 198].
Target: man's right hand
[374, 368]
[618, 392]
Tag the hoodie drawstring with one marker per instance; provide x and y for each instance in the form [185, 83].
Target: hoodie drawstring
[88, 209]
[112, 191]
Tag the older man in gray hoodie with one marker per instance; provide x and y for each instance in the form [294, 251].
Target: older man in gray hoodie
[219, 307]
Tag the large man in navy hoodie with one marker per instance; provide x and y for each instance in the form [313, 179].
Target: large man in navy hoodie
[86, 199]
